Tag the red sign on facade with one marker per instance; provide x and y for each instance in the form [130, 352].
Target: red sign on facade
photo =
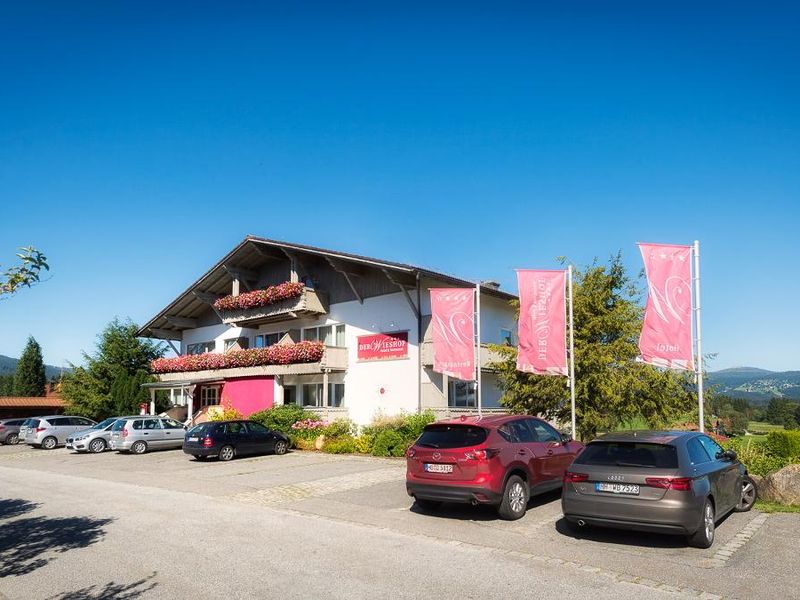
[383, 346]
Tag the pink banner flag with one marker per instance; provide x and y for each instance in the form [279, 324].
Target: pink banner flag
[453, 323]
[542, 322]
[666, 339]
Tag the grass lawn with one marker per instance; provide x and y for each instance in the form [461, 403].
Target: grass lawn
[774, 507]
[761, 428]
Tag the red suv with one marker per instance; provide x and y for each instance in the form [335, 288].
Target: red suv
[500, 460]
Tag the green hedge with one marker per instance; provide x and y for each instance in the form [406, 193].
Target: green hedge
[756, 455]
[281, 418]
[784, 444]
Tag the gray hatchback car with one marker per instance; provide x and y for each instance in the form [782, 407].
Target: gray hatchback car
[143, 433]
[9, 430]
[53, 430]
[674, 482]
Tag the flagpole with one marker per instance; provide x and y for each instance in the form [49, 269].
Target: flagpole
[698, 340]
[571, 354]
[478, 347]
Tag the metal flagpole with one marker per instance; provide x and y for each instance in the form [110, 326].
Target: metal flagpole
[478, 347]
[571, 354]
[699, 367]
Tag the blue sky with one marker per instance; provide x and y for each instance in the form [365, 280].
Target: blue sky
[140, 141]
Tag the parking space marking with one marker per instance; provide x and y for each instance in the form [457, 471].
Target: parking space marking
[726, 552]
[320, 487]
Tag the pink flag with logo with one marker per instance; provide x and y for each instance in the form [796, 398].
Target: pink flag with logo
[666, 339]
[453, 323]
[542, 322]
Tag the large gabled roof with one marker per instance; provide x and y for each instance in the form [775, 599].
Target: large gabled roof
[249, 254]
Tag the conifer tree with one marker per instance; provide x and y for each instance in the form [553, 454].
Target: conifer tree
[29, 378]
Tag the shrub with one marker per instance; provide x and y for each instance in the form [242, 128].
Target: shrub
[228, 413]
[364, 443]
[309, 429]
[280, 418]
[756, 456]
[388, 443]
[339, 428]
[784, 444]
[304, 444]
[342, 445]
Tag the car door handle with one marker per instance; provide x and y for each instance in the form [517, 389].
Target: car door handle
[549, 452]
[521, 451]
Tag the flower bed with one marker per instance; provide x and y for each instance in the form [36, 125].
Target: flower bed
[278, 354]
[265, 297]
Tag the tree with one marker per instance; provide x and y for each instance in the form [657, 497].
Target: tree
[611, 386]
[29, 378]
[6, 385]
[105, 384]
[26, 274]
[780, 411]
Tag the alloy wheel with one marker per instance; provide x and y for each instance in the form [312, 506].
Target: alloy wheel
[516, 497]
[97, 446]
[708, 522]
[12, 439]
[49, 443]
[748, 494]
[226, 453]
[280, 447]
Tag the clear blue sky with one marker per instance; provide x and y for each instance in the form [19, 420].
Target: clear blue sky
[140, 141]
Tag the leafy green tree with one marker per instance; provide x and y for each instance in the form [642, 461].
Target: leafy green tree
[611, 386]
[26, 274]
[29, 378]
[6, 385]
[120, 359]
[781, 411]
[127, 392]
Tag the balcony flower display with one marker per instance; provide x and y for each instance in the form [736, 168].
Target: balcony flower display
[277, 354]
[265, 297]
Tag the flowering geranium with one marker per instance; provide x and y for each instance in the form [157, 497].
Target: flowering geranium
[277, 354]
[307, 424]
[265, 297]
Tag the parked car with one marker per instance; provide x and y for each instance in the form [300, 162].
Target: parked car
[142, 433]
[51, 431]
[9, 430]
[226, 439]
[95, 439]
[499, 460]
[675, 482]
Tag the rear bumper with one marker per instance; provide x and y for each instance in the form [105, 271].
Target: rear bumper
[200, 451]
[453, 493]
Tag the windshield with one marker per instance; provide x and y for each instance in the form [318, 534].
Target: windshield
[104, 424]
[451, 436]
[629, 454]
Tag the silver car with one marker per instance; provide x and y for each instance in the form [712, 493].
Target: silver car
[143, 433]
[95, 439]
[9, 430]
[53, 430]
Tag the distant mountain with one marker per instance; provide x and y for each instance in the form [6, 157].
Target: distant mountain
[8, 365]
[758, 385]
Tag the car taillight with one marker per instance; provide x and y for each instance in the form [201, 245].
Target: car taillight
[410, 453]
[480, 454]
[40, 429]
[124, 432]
[2, 427]
[570, 477]
[207, 442]
[680, 484]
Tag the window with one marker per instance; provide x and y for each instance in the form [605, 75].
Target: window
[712, 447]
[312, 395]
[200, 348]
[137, 424]
[60, 422]
[697, 454]
[256, 428]
[451, 436]
[522, 431]
[81, 422]
[508, 433]
[461, 394]
[209, 395]
[629, 454]
[542, 432]
[236, 428]
[290, 394]
[335, 395]
[506, 337]
[330, 335]
[171, 424]
[241, 343]
[152, 424]
[267, 339]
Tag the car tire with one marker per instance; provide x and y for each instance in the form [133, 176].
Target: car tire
[97, 446]
[281, 447]
[226, 453]
[748, 496]
[12, 439]
[515, 499]
[704, 536]
[139, 447]
[426, 504]
[49, 443]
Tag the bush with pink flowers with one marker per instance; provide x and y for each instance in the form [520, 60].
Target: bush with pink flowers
[277, 354]
[265, 297]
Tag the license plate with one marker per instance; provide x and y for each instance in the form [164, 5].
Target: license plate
[617, 488]
[438, 468]
[194, 438]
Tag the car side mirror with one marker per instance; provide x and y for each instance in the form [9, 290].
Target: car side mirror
[565, 438]
[727, 455]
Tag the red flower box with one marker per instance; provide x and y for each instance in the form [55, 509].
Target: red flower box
[265, 297]
[277, 354]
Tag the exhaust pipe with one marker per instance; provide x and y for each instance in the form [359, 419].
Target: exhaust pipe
[581, 522]
[474, 502]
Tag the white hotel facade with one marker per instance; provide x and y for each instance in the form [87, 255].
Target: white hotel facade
[348, 301]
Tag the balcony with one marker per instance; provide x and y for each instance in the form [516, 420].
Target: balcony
[487, 356]
[333, 359]
[309, 304]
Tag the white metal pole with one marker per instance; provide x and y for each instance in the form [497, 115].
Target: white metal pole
[571, 354]
[478, 346]
[699, 366]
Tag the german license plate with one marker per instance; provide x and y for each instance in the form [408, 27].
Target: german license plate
[433, 468]
[194, 438]
[617, 488]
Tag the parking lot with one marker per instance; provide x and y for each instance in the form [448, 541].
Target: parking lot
[164, 525]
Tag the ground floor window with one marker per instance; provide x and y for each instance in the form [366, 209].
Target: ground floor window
[313, 395]
[209, 395]
[461, 394]
[290, 394]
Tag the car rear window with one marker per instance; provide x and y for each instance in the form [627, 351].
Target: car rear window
[451, 436]
[119, 425]
[202, 429]
[32, 423]
[629, 454]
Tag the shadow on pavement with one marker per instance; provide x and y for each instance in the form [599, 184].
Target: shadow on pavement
[620, 536]
[111, 591]
[10, 508]
[24, 543]
[481, 512]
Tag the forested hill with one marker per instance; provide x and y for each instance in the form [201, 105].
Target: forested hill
[756, 384]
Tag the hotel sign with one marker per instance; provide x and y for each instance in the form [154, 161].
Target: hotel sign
[383, 346]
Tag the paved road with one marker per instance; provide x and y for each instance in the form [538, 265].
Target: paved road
[303, 525]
